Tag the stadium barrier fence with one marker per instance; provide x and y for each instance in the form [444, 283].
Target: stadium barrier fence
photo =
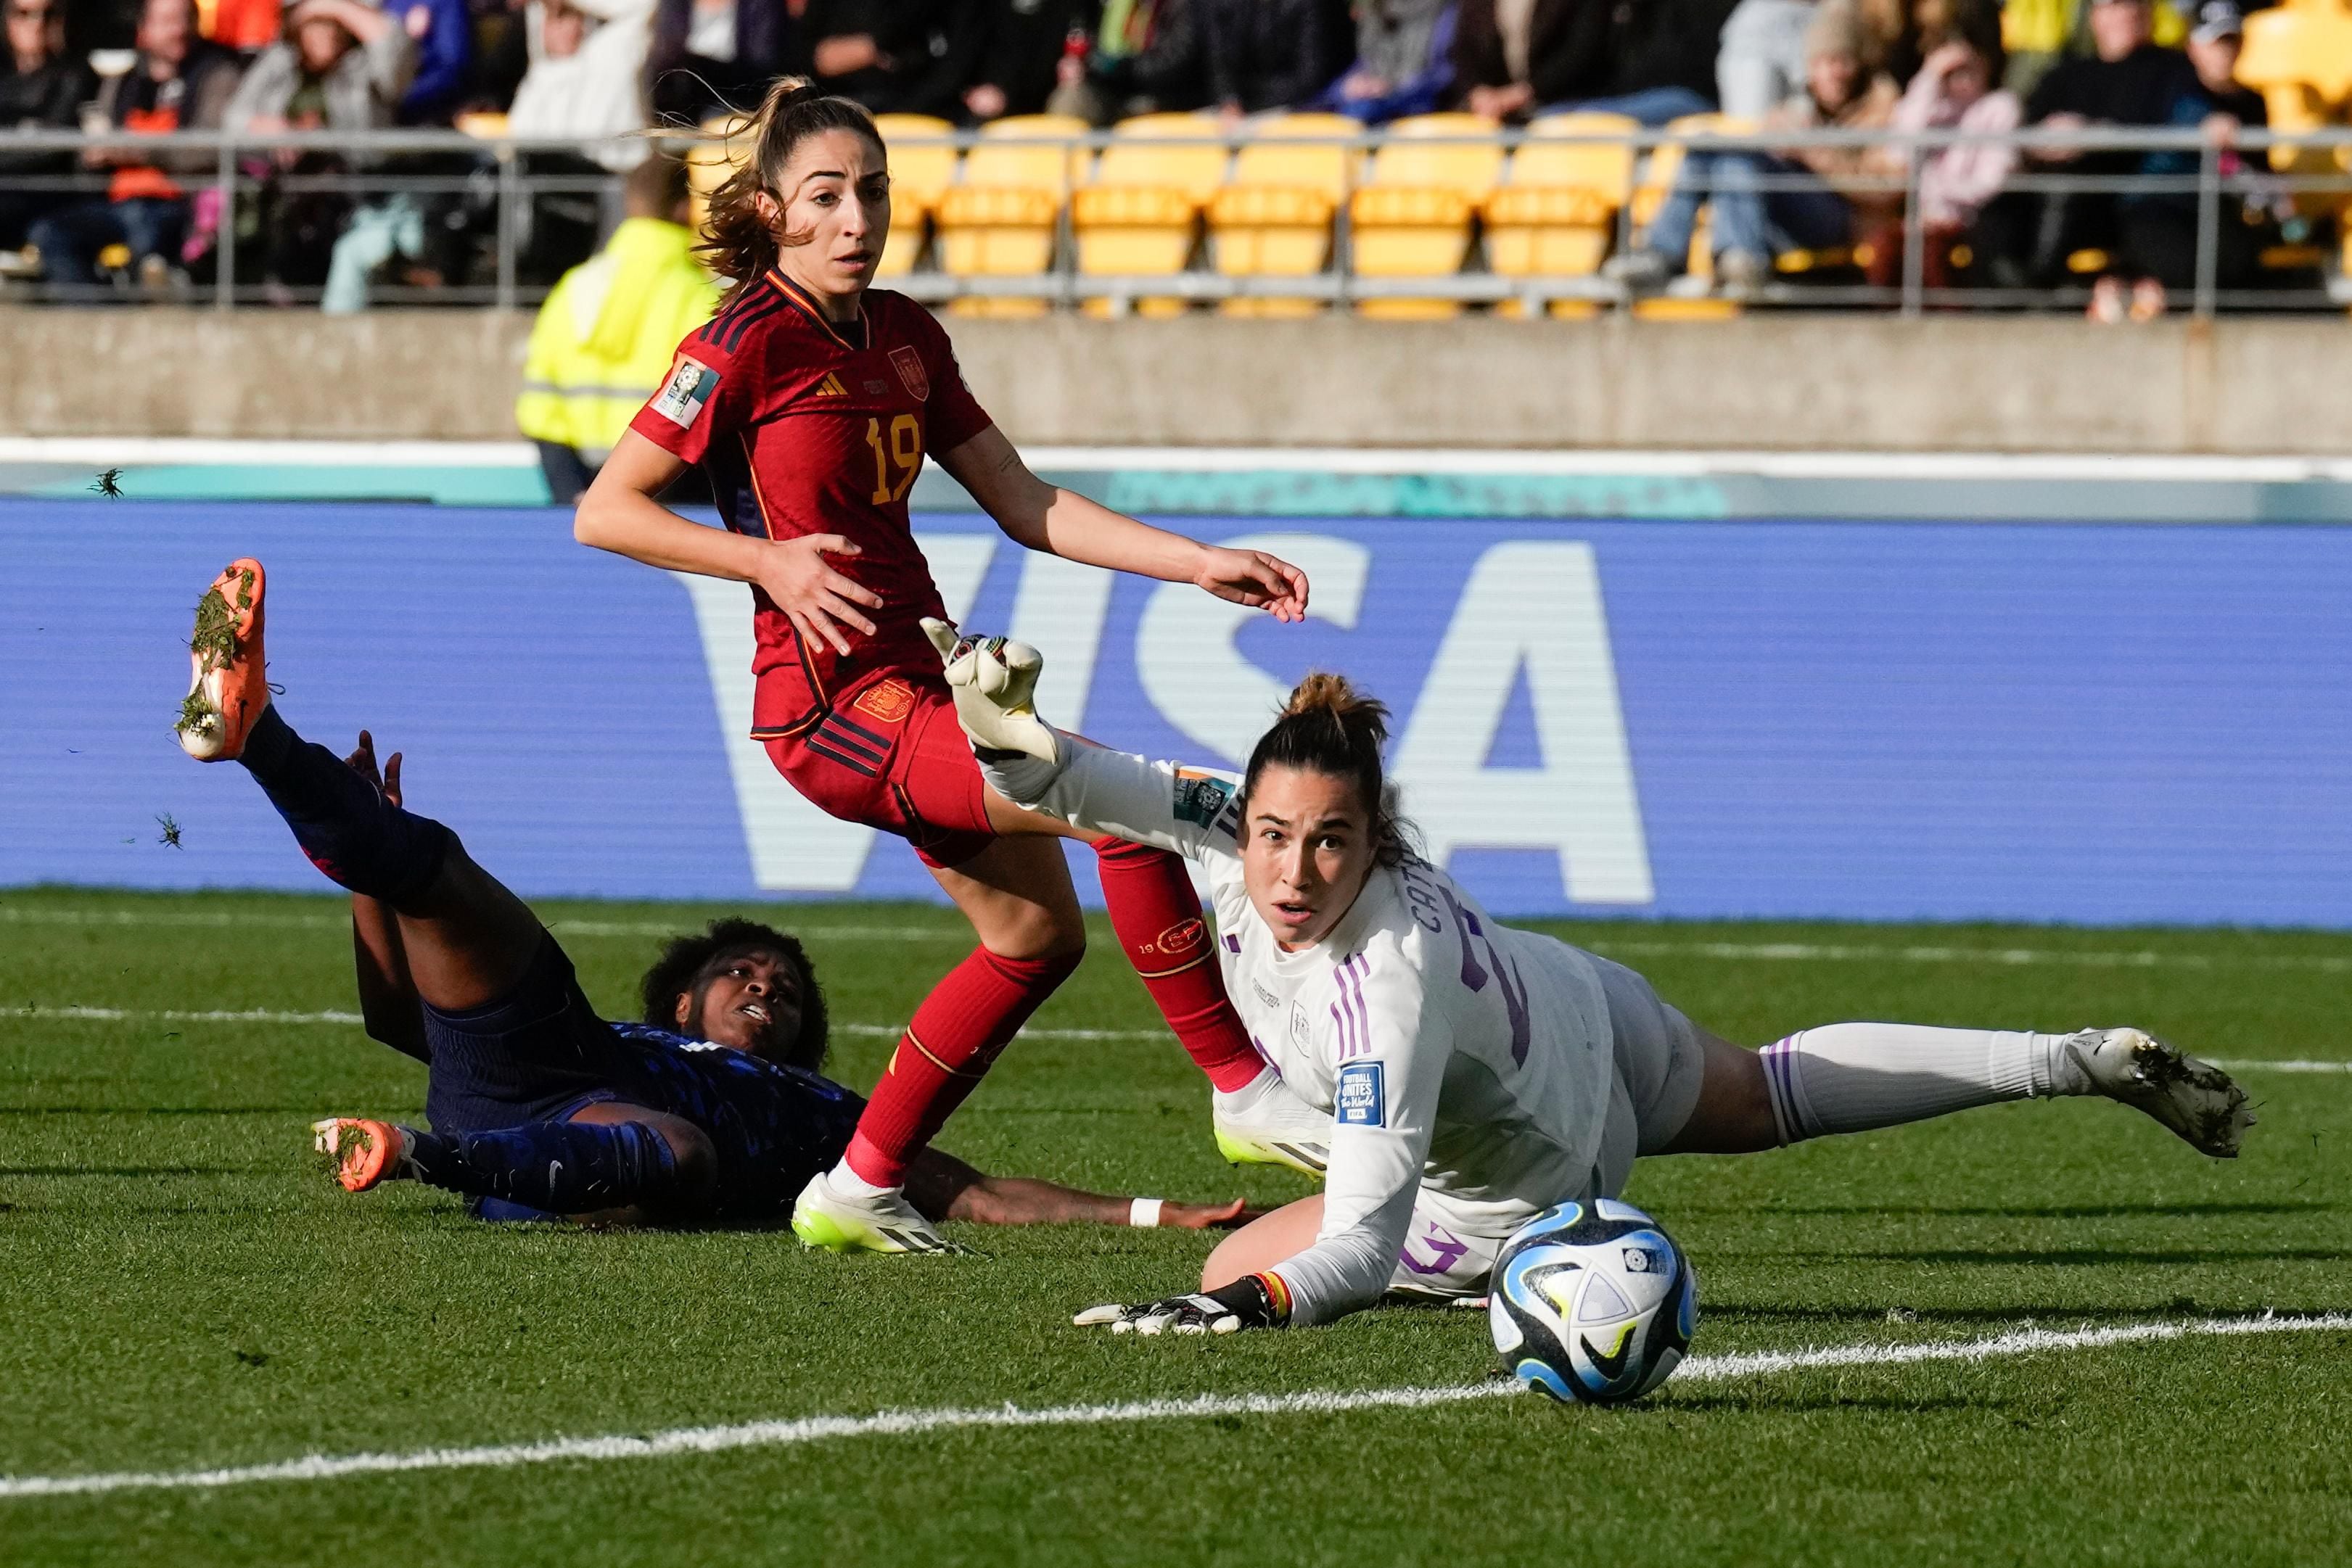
[495, 175]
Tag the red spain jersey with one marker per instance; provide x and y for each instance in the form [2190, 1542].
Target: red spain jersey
[809, 428]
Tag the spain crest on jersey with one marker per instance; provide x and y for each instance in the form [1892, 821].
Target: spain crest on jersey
[909, 365]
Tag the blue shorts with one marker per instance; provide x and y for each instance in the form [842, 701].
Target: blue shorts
[540, 1054]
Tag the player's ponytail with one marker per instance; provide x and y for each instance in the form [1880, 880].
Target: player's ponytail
[1330, 727]
[741, 241]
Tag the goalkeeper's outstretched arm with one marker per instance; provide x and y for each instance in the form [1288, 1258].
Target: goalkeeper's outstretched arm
[1094, 790]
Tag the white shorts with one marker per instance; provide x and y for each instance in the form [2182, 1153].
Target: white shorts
[1451, 1246]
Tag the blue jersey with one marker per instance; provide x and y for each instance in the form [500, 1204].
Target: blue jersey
[540, 1052]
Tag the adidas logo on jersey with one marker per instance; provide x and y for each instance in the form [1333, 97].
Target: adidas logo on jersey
[831, 386]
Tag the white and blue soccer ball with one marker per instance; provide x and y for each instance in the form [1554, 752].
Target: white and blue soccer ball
[1593, 1302]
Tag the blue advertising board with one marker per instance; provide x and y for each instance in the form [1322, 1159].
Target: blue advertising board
[1912, 720]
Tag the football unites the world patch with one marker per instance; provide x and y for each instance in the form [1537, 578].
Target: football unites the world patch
[688, 389]
[1200, 797]
[1360, 1099]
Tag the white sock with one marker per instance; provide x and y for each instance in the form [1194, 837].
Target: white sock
[849, 1184]
[1851, 1077]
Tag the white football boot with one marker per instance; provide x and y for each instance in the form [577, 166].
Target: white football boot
[2196, 1099]
[1267, 1124]
[825, 1216]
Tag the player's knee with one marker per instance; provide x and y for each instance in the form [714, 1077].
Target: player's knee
[694, 1161]
[1045, 936]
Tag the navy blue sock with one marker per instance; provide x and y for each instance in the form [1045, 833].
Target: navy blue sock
[562, 1167]
[344, 823]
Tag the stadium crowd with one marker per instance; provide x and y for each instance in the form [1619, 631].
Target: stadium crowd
[590, 71]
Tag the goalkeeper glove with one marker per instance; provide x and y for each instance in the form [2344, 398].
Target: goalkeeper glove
[1251, 1302]
[994, 682]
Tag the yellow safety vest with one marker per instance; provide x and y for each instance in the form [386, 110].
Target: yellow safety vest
[605, 338]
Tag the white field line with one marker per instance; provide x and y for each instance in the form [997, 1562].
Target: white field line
[329, 1016]
[879, 1030]
[805, 1430]
[1636, 948]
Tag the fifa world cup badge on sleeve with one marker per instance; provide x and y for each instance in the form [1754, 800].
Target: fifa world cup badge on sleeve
[689, 387]
[1361, 1100]
[1200, 798]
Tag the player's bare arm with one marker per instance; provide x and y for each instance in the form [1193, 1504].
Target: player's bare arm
[620, 513]
[1062, 522]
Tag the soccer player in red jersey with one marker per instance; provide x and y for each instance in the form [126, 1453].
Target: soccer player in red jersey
[811, 401]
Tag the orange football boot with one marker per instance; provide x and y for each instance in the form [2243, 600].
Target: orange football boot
[229, 687]
[365, 1152]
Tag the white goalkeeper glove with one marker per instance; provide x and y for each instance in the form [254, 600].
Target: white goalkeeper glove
[995, 682]
[1251, 1302]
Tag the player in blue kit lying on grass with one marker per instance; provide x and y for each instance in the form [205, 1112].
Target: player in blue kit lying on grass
[711, 1110]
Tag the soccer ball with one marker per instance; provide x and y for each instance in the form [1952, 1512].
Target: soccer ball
[1593, 1302]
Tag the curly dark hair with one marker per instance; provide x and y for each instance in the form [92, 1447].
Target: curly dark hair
[672, 977]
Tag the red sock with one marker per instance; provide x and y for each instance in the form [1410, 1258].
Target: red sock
[969, 1017]
[1158, 917]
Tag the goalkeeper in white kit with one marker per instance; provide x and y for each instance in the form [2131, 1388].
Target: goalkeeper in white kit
[1450, 1075]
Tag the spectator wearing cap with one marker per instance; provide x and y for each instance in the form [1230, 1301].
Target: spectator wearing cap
[709, 54]
[1767, 202]
[2128, 80]
[2157, 230]
[1404, 61]
[341, 65]
[42, 89]
[177, 82]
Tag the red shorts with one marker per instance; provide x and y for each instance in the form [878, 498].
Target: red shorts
[889, 754]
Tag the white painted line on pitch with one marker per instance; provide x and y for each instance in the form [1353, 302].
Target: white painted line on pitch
[1637, 948]
[329, 1016]
[784, 1434]
[2285, 1066]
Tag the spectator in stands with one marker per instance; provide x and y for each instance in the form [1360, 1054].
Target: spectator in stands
[1148, 56]
[177, 82]
[1272, 53]
[1404, 61]
[1512, 56]
[709, 56]
[605, 336]
[2157, 230]
[2128, 80]
[1019, 67]
[342, 65]
[1760, 63]
[1955, 90]
[586, 81]
[443, 34]
[1765, 203]
[44, 89]
[897, 57]
[1650, 60]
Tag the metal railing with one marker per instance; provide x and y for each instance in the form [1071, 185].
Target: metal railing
[503, 183]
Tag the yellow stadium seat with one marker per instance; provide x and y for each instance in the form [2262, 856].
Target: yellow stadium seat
[922, 168]
[1001, 221]
[1140, 211]
[2299, 57]
[1557, 212]
[114, 258]
[1273, 217]
[1411, 218]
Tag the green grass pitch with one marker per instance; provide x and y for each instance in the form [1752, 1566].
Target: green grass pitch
[182, 1287]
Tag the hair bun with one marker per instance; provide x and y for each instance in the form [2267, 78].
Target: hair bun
[1329, 693]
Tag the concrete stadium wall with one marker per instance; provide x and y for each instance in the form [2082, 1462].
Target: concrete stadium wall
[1762, 381]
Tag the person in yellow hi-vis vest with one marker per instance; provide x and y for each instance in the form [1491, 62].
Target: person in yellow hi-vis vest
[606, 336]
